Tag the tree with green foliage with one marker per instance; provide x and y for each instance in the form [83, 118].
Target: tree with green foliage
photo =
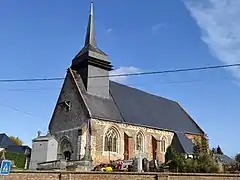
[214, 151]
[204, 145]
[237, 157]
[219, 150]
[18, 158]
[204, 162]
[200, 147]
[201, 163]
[16, 140]
[170, 153]
[174, 160]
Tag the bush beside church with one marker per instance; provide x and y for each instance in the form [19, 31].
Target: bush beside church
[18, 159]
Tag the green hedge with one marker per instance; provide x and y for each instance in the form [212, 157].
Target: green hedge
[18, 158]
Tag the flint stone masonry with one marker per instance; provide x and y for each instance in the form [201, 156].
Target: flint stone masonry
[67, 122]
[63, 118]
[99, 128]
[116, 176]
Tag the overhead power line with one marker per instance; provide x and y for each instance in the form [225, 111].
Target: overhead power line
[126, 74]
[175, 71]
[24, 112]
[30, 80]
[155, 82]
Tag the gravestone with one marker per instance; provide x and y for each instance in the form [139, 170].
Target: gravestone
[135, 164]
[140, 157]
[140, 162]
[145, 164]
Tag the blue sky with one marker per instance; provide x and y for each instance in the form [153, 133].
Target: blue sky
[40, 38]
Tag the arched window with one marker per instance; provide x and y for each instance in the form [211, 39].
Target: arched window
[139, 142]
[110, 140]
[163, 144]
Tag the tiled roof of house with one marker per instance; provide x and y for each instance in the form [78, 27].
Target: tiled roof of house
[5, 141]
[18, 149]
[225, 159]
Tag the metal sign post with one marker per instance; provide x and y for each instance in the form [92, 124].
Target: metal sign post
[5, 168]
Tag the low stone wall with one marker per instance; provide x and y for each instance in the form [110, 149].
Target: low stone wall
[23, 175]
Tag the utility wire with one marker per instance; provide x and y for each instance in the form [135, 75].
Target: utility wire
[173, 71]
[29, 89]
[126, 74]
[24, 112]
[155, 82]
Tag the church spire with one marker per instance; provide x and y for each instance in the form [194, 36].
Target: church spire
[91, 61]
[90, 35]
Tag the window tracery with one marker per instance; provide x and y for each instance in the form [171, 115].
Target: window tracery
[110, 140]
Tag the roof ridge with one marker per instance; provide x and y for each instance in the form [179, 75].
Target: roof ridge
[80, 92]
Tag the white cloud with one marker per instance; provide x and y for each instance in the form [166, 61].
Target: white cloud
[109, 30]
[123, 70]
[156, 27]
[220, 25]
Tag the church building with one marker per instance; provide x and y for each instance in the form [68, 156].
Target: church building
[101, 120]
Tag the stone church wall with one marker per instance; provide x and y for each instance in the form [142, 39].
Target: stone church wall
[67, 121]
[99, 128]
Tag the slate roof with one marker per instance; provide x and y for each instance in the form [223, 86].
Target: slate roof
[90, 48]
[139, 107]
[103, 108]
[18, 149]
[5, 141]
[225, 159]
[133, 106]
[43, 138]
[185, 143]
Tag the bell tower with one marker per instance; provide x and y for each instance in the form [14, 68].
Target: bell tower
[92, 64]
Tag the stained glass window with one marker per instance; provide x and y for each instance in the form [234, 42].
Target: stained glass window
[163, 144]
[110, 140]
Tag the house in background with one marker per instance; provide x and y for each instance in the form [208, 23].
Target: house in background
[7, 145]
[5, 141]
[225, 161]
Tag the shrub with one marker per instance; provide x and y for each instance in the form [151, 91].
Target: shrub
[18, 158]
[202, 163]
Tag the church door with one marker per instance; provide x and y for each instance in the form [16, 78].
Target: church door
[66, 149]
[67, 155]
[126, 147]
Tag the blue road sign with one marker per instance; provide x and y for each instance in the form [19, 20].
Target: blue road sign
[5, 167]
